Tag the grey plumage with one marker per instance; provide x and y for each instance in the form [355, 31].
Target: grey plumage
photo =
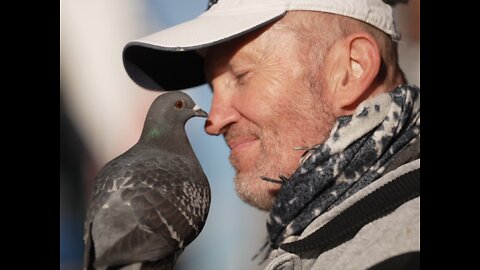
[150, 202]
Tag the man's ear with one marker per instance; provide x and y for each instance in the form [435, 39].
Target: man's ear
[351, 66]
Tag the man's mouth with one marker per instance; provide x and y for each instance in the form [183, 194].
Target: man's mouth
[237, 144]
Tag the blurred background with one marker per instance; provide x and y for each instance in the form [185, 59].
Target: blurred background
[102, 113]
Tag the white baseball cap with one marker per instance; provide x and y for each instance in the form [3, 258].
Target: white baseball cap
[168, 60]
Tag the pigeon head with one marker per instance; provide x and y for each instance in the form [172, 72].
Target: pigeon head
[168, 114]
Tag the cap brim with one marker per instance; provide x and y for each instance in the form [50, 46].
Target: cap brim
[167, 60]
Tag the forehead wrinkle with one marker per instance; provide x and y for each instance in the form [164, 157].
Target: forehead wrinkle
[277, 64]
[262, 47]
[226, 51]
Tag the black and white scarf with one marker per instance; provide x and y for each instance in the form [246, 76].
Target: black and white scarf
[357, 152]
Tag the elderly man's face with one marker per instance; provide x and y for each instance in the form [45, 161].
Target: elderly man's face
[266, 102]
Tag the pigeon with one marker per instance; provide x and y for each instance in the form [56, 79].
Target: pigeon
[150, 202]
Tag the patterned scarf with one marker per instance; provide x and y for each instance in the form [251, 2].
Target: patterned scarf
[357, 152]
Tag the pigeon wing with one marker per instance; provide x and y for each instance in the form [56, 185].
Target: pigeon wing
[169, 199]
[107, 177]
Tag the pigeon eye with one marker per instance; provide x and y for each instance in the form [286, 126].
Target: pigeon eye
[179, 104]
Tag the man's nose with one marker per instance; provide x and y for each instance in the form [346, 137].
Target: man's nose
[222, 114]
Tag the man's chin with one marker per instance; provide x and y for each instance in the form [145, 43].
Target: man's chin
[257, 193]
[260, 205]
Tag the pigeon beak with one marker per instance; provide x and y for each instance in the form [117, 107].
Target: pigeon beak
[199, 112]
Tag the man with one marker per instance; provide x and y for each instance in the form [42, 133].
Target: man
[323, 129]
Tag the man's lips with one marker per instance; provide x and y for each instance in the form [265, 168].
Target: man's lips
[239, 143]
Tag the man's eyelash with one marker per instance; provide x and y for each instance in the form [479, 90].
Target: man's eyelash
[241, 75]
